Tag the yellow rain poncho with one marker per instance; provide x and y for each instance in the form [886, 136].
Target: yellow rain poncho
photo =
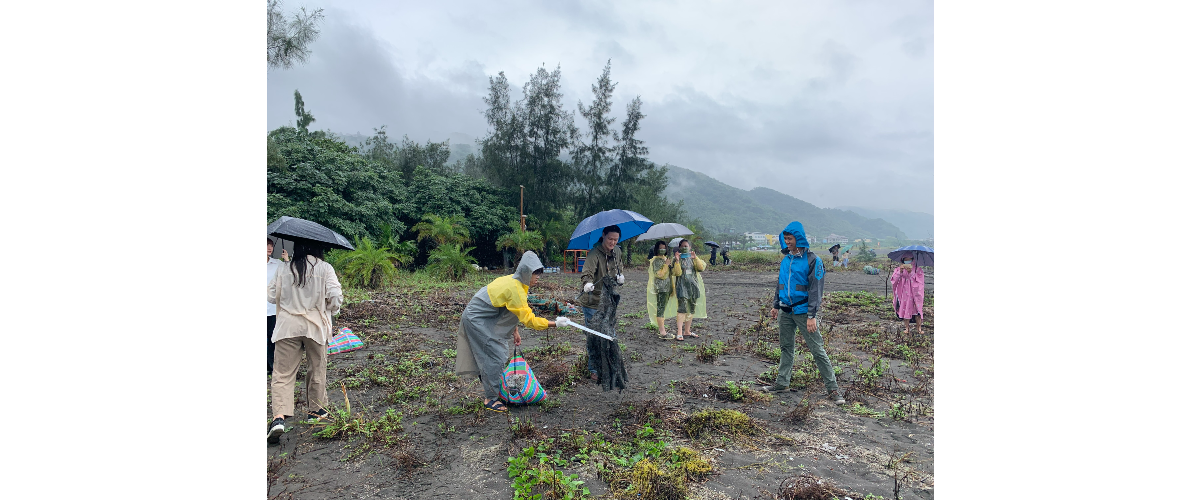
[689, 284]
[660, 281]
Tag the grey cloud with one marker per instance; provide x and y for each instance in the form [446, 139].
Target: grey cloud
[839, 62]
[352, 85]
[826, 123]
[585, 15]
[611, 49]
[914, 46]
[815, 150]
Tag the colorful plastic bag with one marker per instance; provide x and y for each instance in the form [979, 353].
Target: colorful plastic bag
[518, 385]
[344, 341]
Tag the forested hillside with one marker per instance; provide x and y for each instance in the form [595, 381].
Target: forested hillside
[724, 208]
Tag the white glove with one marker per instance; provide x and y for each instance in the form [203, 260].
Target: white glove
[588, 288]
[561, 321]
[620, 279]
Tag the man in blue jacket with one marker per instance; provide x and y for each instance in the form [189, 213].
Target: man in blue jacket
[798, 295]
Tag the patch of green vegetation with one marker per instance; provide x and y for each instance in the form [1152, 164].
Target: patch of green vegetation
[414, 392]
[549, 351]
[650, 325]
[862, 301]
[731, 423]
[449, 353]
[708, 351]
[535, 477]
[872, 374]
[897, 412]
[342, 424]
[422, 281]
[863, 411]
[466, 406]
[767, 350]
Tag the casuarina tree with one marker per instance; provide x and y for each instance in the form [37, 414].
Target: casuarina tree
[288, 40]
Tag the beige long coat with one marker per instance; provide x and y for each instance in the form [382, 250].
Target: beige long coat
[305, 311]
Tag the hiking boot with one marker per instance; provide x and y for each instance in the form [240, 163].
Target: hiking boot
[836, 396]
[274, 430]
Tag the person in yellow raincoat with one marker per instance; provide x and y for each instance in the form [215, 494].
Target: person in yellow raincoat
[689, 289]
[660, 289]
[489, 320]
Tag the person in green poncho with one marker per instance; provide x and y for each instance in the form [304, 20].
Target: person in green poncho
[660, 288]
[689, 289]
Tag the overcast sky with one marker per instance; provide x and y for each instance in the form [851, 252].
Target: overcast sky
[831, 102]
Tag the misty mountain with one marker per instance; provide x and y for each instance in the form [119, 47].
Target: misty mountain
[724, 208]
[917, 225]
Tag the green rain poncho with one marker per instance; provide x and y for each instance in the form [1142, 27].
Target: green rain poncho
[660, 281]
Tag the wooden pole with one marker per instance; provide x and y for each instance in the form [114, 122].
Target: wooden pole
[522, 209]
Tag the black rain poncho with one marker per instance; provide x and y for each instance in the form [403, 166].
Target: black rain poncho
[609, 367]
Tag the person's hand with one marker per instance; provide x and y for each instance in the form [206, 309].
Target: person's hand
[587, 288]
[284, 255]
[812, 324]
[774, 313]
[517, 336]
[561, 321]
[620, 279]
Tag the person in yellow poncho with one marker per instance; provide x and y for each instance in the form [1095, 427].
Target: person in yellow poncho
[660, 289]
[488, 321]
[689, 289]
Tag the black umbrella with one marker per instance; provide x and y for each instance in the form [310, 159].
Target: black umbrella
[291, 228]
[712, 244]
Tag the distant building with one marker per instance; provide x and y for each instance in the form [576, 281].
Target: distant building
[834, 238]
[756, 239]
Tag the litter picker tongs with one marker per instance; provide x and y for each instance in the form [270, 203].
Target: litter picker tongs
[589, 330]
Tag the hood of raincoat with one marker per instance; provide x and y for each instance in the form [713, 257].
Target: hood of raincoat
[529, 263]
[796, 229]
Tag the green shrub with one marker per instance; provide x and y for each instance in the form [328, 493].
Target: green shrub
[367, 265]
[451, 261]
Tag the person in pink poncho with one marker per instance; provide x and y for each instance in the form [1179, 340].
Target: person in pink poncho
[908, 282]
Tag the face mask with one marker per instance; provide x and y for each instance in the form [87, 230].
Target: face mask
[662, 251]
[684, 254]
[908, 261]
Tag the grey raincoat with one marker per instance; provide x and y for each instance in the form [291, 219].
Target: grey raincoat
[488, 323]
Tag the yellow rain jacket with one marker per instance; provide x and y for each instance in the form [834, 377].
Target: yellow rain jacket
[691, 284]
[660, 278]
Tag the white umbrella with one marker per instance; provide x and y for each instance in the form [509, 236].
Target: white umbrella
[663, 231]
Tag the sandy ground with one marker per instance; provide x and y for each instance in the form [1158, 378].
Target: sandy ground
[453, 453]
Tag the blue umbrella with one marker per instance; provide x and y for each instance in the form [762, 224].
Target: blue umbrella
[922, 255]
[588, 232]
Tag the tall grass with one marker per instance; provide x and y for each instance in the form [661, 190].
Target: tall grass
[754, 257]
[425, 280]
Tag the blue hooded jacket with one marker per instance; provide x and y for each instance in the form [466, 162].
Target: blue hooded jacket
[801, 277]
